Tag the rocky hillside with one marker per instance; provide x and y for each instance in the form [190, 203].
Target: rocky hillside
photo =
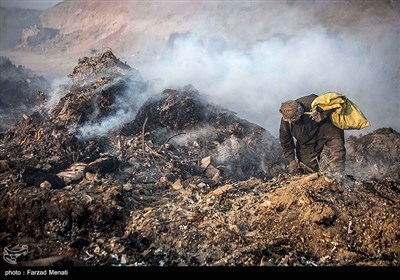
[13, 22]
[141, 29]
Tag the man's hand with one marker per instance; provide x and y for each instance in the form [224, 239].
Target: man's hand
[317, 117]
[293, 167]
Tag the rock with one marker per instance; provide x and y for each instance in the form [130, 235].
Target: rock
[222, 189]
[177, 185]
[205, 162]
[45, 185]
[4, 165]
[102, 165]
[74, 173]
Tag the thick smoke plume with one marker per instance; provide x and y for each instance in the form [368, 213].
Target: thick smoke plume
[361, 64]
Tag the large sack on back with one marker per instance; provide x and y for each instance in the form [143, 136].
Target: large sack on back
[345, 114]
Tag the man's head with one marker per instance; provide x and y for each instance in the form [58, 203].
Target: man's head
[291, 111]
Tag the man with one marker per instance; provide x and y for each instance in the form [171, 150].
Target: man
[304, 136]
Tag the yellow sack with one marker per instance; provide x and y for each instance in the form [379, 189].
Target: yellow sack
[346, 114]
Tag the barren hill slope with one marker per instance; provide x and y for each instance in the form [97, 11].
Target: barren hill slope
[143, 28]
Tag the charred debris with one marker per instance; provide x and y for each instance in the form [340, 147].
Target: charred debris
[111, 176]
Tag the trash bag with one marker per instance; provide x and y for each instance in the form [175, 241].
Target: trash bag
[345, 114]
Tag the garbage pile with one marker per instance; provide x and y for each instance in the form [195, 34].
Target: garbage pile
[375, 155]
[111, 176]
[20, 91]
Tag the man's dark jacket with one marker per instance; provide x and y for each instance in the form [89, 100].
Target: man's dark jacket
[310, 136]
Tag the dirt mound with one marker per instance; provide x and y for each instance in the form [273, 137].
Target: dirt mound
[284, 221]
[287, 221]
[182, 182]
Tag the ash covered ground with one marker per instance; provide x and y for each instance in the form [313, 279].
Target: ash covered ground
[108, 176]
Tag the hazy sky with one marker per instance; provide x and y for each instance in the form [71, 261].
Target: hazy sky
[29, 4]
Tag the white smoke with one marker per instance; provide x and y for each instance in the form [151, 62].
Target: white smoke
[191, 135]
[106, 125]
[57, 92]
[127, 106]
[254, 82]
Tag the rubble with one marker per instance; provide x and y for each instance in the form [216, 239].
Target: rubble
[182, 182]
[197, 130]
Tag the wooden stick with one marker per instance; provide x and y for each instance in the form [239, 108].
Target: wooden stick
[169, 139]
[144, 125]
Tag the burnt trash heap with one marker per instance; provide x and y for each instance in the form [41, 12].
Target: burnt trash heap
[112, 176]
[20, 91]
[172, 136]
[50, 157]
